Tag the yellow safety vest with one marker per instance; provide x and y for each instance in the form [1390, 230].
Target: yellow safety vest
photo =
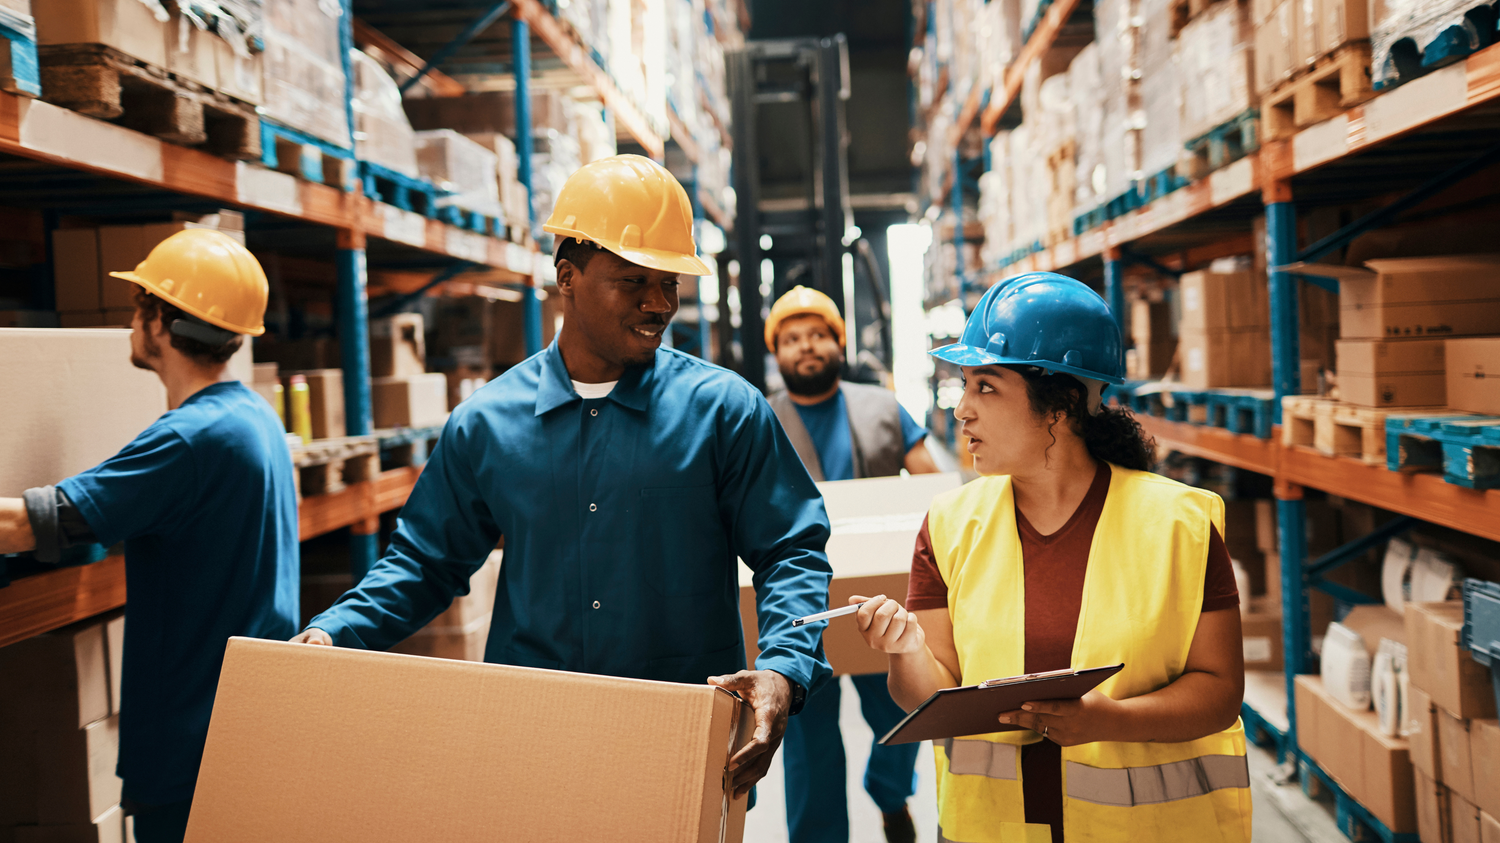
[1142, 597]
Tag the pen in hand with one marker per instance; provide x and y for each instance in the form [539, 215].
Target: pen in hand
[831, 613]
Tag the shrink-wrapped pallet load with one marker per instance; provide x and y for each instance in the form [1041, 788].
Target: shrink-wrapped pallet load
[382, 134]
[305, 86]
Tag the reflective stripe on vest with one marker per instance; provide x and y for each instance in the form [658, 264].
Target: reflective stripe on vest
[980, 758]
[1130, 786]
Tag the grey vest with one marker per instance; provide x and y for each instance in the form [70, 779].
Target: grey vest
[874, 431]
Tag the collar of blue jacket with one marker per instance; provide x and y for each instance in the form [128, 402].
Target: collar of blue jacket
[622, 518]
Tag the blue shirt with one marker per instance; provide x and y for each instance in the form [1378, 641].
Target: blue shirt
[622, 517]
[827, 424]
[205, 502]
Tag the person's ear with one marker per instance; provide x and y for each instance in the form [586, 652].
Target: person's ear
[566, 273]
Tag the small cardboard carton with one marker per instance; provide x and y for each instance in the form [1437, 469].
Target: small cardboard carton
[1453, 296]
[1454, 755]
[1473, 374]
[875, 524]
[1463, 818]
[1222, 357]
[410, 401]
[1432, 810]
[1422, 733]
[1439, 666]
[1237, 301]
[67, 678]
[408, 748]
[398, 346]
[1392, 373]
[109, 828]
[55, 382]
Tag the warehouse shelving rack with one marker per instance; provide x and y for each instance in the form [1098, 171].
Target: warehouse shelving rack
[61, 160]
[1422, 136]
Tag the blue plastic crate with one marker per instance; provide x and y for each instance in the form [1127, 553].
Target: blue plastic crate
[1481, 633]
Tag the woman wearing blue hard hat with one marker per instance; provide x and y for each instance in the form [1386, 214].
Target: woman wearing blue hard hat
[1069, 553]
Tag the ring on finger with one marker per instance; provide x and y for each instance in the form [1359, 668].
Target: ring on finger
[1044, 730]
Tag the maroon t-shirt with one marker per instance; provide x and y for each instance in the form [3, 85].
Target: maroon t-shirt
[1054, 569]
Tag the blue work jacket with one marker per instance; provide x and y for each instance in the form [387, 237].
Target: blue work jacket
[622, 517]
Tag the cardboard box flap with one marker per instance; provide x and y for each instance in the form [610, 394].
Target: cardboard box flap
[409, 748]
[1439, 263]
[1325, 270]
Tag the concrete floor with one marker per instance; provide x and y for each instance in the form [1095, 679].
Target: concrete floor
[1282, 813]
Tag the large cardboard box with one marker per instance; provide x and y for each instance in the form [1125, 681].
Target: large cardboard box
[325, 394]
[875, 523]
[1484, 753]
[1463, 818]
[1342, 21]
[462, 643]
[76, 781]
[1151, 332]
[1261, 632]
[1371, 767]
[114, 646]
[1422, 733]
[1437, 297]
[122, 247]
[1489, 828]
[488, 112]
[1392, 373]
[1473, 374]
[412, 401]
[67, 678]
[481, 750]
[1224, 358]
[127, 25]
[55, 383]
[1454, 755]
[1275, 42]
[1439, 666]
[1233, 300]
[398, 346]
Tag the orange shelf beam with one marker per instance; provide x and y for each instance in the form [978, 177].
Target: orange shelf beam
[36, 604]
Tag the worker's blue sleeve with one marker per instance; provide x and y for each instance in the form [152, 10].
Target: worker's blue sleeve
[145, 489]
[443, 536]
[780, 529]
[911, 432]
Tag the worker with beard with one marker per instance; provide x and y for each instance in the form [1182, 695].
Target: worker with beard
[206, 503]
[841, 431]
[626, 479]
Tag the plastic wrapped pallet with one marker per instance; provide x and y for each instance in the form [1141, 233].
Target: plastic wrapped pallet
[457, 164]
[1421, 24]
[1160, 121]
[1118, 34]
[1088, 116]
[1275, 40]
[305, 87]
[999, 40]
[1215, 68]
[382, 134]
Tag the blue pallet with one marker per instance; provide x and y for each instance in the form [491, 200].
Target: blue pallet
[25, 72]
[420, 439]
[1465, 448]
[1481, 632]
[471, 220]
[1403, 59]
[309, 167]
[1237, 411]
[1160, 184]
[1353, 819]
[1241, 413]
[398, 189]
[1260, 732]
[1229, 141]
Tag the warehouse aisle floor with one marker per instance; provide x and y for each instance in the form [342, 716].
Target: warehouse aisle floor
[1282, 813]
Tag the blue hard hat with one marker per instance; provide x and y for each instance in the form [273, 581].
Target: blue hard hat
[1045, 320]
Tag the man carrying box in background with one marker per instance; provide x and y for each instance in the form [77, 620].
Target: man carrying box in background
[206, 504]
[841, 431]
[626, 479]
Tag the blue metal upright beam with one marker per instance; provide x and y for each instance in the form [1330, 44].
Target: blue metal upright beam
[1291, 511]
[354, 351]
[520, 36]
[1114, 286]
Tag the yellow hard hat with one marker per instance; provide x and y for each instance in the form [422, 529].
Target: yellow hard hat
[800, 301]
[633, 207]
[208, 274]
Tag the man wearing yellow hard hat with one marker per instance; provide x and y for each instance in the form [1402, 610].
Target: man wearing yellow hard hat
[842, 431]
[205, 503]
[626, 479]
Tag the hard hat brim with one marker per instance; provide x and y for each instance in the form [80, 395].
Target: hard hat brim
[154, 290]
[967, 355]
[658, 259]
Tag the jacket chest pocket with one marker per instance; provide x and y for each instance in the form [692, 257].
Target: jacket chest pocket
[683, 547]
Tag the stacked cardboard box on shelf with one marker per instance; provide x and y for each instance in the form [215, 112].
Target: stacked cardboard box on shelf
[1392, 373]
[1224, 332]
[1373, 768]
[382, 134]
[59, 734]
[1454, 735]
[305, 86]
[398, 346]
[1215, 71]
[1473, 374]
[325, 389]
[1152, 334]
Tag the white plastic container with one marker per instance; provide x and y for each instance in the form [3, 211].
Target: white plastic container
[1346, 667]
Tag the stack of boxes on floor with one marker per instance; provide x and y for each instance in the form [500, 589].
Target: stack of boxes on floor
[1455, 738]
[59, 735]
[1412, 333]
[87, 297]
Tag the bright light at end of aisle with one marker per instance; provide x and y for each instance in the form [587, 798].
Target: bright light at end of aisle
[907, 243]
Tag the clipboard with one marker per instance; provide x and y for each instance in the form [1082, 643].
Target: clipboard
[973, 709]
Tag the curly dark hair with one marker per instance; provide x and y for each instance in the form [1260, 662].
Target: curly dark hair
[152, 308]
[1112, 435]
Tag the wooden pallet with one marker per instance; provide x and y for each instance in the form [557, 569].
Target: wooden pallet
[1299, 419]
[1359, 432]
[407, 446]
[1336, 82]
[105, 83]
[325, 466]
